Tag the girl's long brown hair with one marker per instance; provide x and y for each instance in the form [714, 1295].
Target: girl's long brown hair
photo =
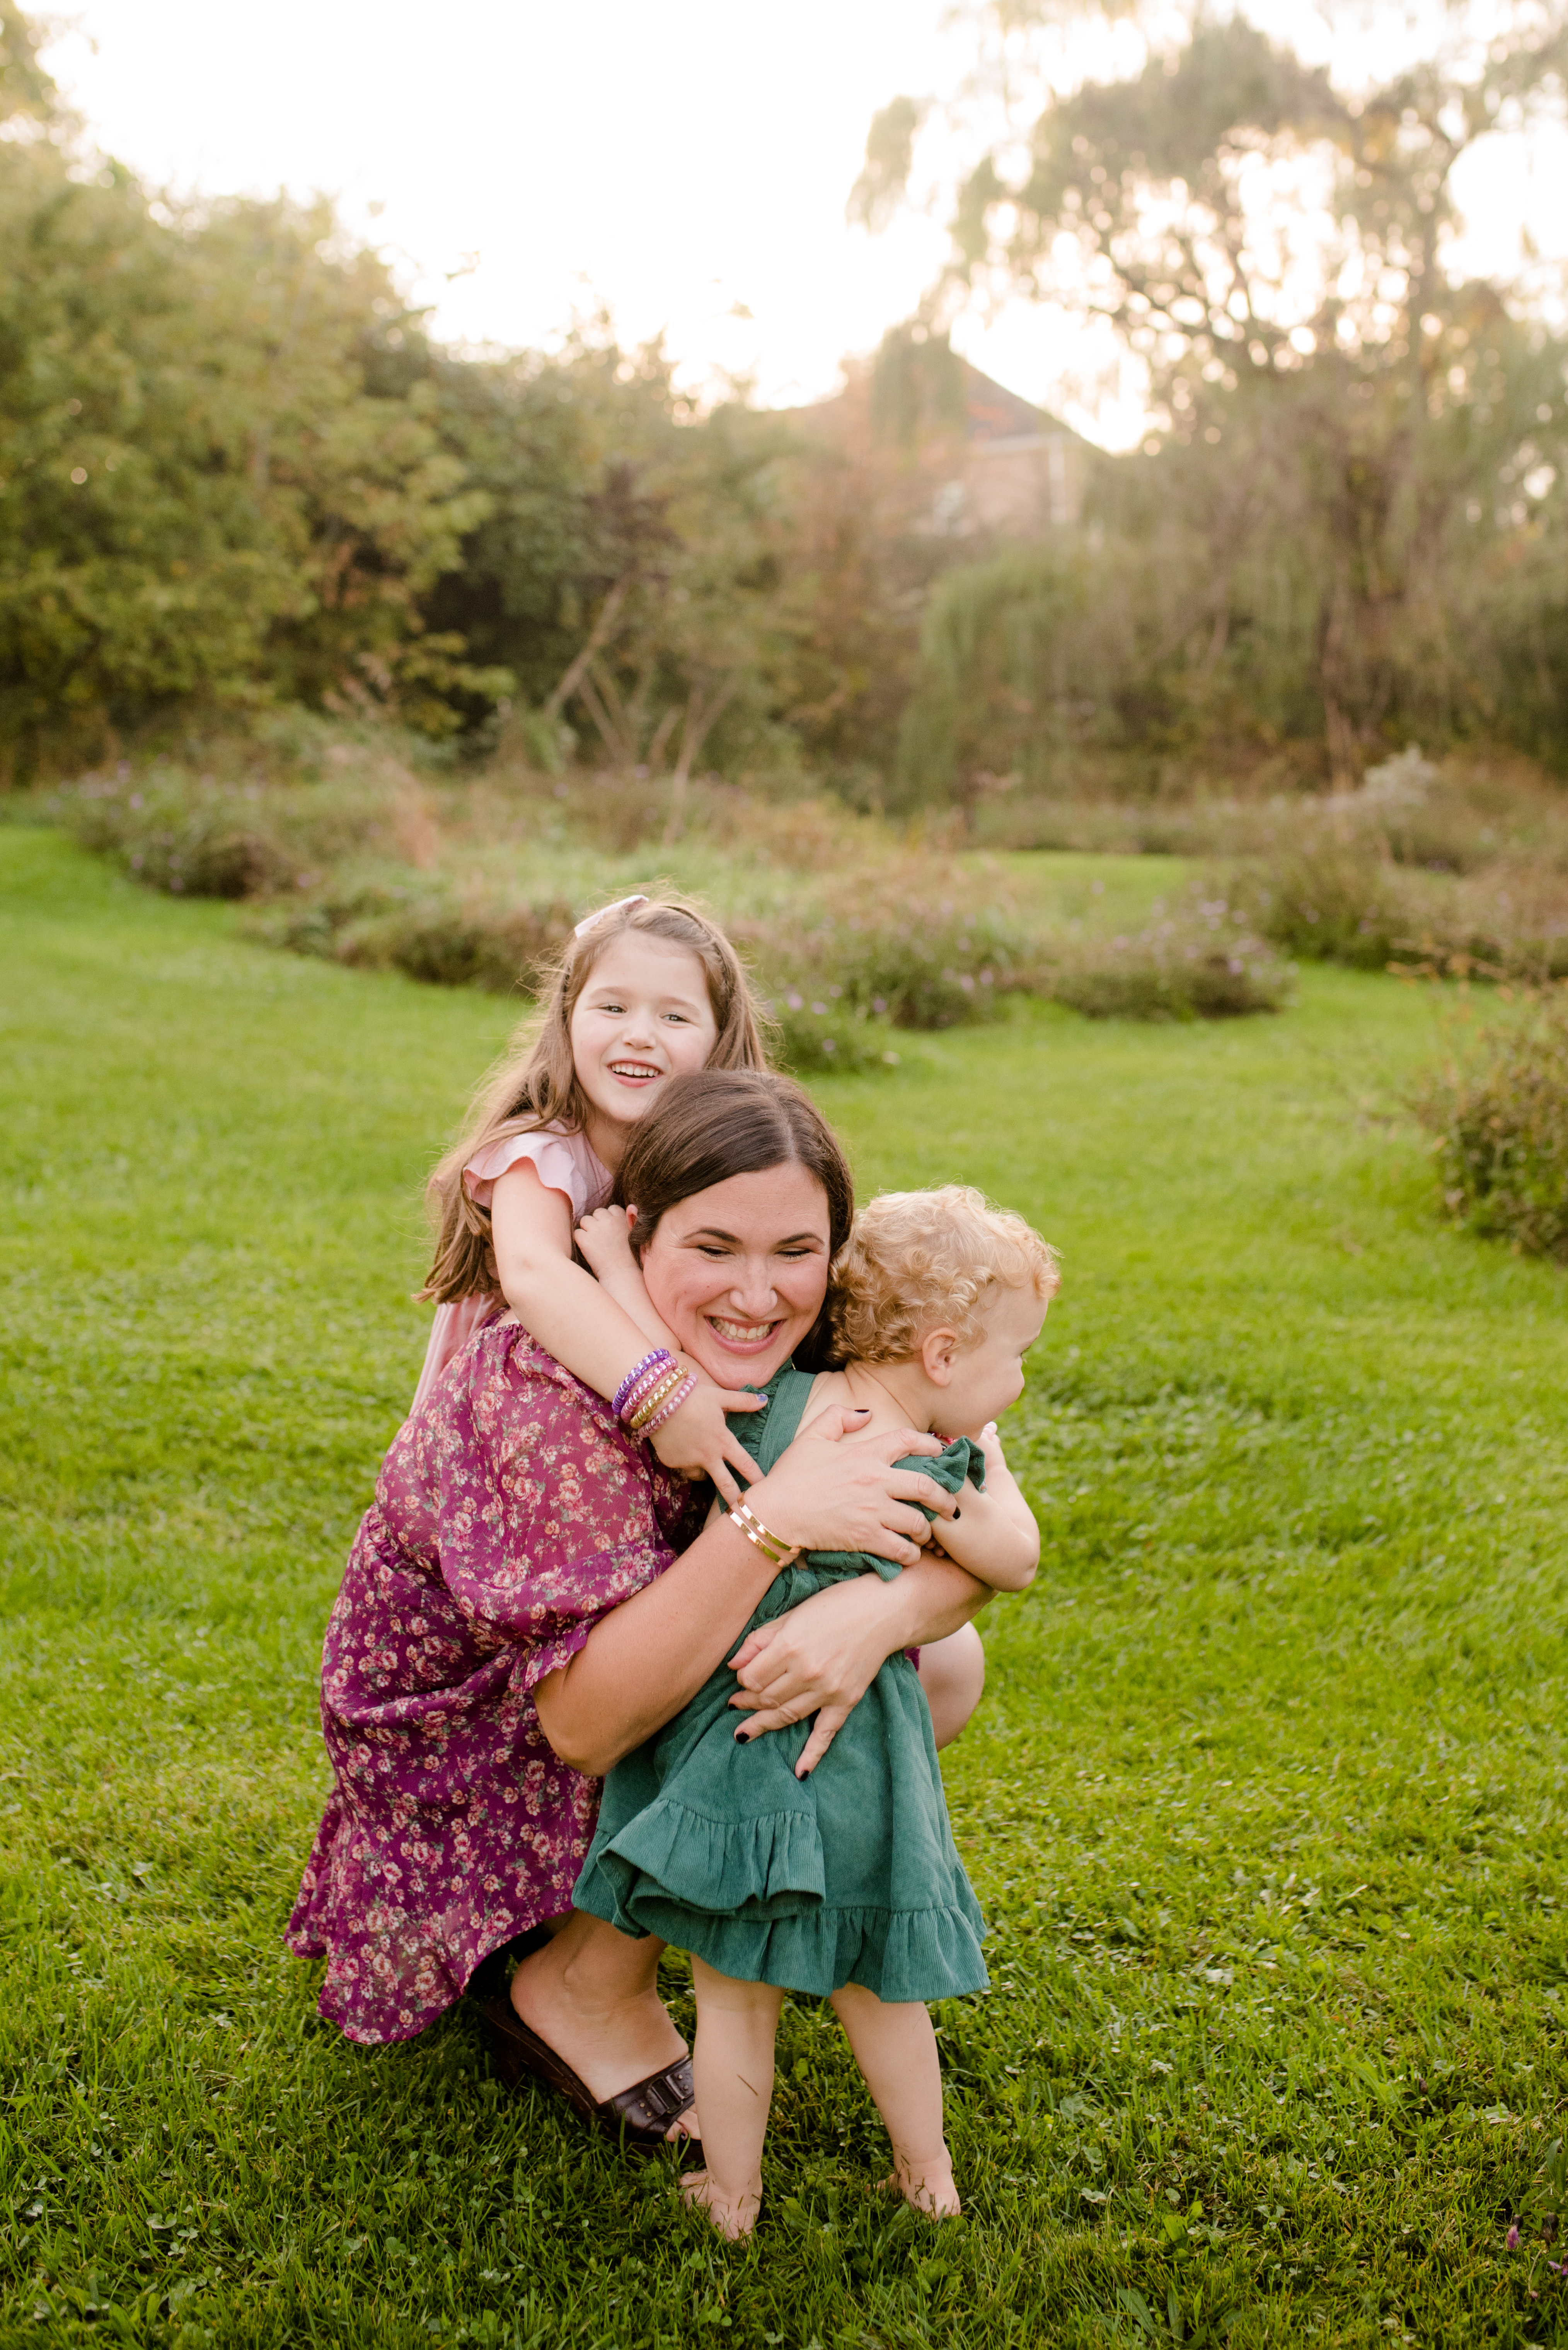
[537, 1085]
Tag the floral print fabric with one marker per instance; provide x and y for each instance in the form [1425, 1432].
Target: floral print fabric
[512, 1513]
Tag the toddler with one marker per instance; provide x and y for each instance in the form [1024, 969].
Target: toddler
[791, 1863]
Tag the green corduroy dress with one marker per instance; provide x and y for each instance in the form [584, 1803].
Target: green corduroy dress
[849, 1876]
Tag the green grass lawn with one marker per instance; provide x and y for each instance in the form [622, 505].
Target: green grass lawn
[1266, 1802]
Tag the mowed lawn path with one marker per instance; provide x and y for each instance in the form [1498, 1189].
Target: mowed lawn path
[1266, 1801]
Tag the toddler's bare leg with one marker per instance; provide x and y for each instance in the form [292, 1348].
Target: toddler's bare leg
[952, 1674]
[732, 2066]
[896, 2050]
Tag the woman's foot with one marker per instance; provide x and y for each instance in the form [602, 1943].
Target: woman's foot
[610, 2029]
[734, 2215]
[927, 2188]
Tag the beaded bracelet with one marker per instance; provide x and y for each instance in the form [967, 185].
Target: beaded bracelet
[773, 1547]
[667, 1410]
[649, 1403]
[656, 1395]
[622, 1395]
[650, 1381]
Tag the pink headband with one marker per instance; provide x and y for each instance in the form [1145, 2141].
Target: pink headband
[637, 899]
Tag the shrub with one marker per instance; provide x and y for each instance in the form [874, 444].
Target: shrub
[811, 1037]
[201, 838]
[464, 883]
[445, 939]
[887, 948]
[1341, 899]
[1331, 898]
[1201, 964]
[1499, 1115]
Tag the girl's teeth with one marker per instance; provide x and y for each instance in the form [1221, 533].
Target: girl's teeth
[742, 1329]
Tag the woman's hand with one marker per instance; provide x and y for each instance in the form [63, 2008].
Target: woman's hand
[835, 1489]
[820, 1658]
[694, 1441]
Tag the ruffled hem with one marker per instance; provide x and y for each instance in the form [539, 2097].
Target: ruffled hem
[898, 1955]
[765, 1866]
[393, 1972]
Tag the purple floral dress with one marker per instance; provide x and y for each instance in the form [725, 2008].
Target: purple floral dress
[512, 1513]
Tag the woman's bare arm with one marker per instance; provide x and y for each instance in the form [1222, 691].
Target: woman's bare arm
[650, 1656]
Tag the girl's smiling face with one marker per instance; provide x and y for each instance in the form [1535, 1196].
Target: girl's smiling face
[643, 1016]
[738, 1272]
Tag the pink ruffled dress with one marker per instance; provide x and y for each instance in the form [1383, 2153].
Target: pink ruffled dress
[567, 1163]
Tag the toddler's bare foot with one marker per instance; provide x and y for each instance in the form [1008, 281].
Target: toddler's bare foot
[734, 2215]
[928, 2188]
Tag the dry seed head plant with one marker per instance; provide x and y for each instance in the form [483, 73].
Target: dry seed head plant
[1497, 1110]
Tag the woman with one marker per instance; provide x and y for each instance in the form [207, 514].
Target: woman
[514, 1617]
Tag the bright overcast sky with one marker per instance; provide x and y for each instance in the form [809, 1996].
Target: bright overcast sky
[674, 164]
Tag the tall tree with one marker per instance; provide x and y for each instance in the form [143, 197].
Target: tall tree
[200, 492]
[1276, 251]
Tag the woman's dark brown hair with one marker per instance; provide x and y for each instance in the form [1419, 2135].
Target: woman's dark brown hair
[715, 1123]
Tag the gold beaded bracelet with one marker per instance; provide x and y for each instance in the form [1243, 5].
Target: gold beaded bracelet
[656, 1395]
[779, 1552]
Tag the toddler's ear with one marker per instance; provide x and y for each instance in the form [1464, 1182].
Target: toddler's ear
[939, 1353]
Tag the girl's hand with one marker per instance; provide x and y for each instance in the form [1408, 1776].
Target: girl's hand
[827, 1493]
[819, 1658]
[695, 1442]
[605, 1240]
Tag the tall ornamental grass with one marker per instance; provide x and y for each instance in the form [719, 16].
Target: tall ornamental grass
[1498, 1114]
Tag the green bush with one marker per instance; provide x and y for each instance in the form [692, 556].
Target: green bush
[195, 837]
[1331, 898]
[889, 948]
[430, 933]
[1499, 1117]
[811, 1037]
[1201, 964]
[348, 852]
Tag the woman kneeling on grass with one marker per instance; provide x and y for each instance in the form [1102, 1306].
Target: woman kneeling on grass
[514, 1619]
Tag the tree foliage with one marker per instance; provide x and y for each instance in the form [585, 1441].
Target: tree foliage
[201, 492]
[1362, 453]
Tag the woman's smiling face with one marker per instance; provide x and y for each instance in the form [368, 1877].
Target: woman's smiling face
[738, 1272]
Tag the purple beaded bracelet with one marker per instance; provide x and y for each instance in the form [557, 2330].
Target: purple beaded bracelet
[636, 1377]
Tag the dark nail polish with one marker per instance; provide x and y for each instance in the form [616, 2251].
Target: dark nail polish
[742, 1737]
[958, 1514]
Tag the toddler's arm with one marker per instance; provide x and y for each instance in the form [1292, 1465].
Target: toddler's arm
[598, 1335]
[994, 1536]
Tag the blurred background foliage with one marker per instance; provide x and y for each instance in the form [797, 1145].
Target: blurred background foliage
[236, 474]
[418, 651]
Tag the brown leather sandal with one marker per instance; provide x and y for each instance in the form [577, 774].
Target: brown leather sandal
[636, 2118]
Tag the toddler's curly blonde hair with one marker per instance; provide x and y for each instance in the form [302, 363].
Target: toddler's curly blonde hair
[917, 1262]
